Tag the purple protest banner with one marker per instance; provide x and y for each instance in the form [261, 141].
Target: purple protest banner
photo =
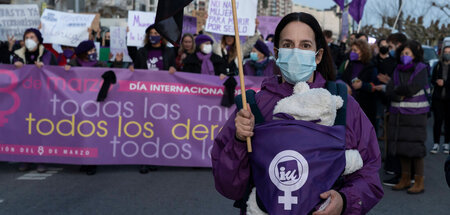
[268, 24]
[51, 115]
[189, 24]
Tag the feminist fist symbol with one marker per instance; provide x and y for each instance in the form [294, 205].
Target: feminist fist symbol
[9, 90]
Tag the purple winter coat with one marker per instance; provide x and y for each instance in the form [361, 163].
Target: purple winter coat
[362, 188]
[249, 69]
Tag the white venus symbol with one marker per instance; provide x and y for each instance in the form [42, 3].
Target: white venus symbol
[288, 171]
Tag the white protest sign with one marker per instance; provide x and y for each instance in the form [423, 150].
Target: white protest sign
[118, 42]
[65, 28]
[15, 19]
[220, 17]
[137, 23]
[97, 49]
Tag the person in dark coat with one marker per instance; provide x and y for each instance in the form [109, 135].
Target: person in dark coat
[155, 55]
[337, 52]
[204, 61]
[441, 101]
[260, 63]
[186, 49]
[34, 51]
[360, 76]
[86, 56]
[408, 115]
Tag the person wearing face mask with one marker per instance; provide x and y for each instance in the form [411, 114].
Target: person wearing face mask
[260, 63]
[226, 49]
[86, 56]
[360, 76]
[186, 49]
[407, 132]
[34, 51]
[302, 56]
[441, 101]
[204, 61]
[394, 42]
[155, 55]
[106, 39]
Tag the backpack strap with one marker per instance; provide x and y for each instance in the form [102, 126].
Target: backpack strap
[339, 89]
[250, 94]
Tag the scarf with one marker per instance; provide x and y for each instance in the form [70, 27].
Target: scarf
[403, 68]
[207, 65]
[87, 63]
[260, 67]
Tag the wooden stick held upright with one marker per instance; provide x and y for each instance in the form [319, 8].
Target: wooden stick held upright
[241, 69]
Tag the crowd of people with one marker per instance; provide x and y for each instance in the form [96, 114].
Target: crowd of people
[389, 81]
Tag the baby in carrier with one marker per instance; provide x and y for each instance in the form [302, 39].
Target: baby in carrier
[316, 105]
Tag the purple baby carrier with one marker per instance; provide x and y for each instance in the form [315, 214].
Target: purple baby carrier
[294, 161]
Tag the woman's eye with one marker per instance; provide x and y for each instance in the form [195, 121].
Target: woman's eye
[286, 45]
[306, 46]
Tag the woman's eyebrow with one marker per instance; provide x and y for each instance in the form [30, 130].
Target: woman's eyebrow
[306, 41]
[287, 40]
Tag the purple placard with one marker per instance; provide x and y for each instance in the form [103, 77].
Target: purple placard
[268, 24]
[189, 24]
[51, 115]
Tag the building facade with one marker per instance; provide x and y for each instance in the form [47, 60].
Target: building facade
[275, 8]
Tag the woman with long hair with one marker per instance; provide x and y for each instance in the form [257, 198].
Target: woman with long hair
[302, 56]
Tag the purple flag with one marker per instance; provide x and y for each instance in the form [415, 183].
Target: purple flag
[292, 168]
[356, 9]
[340, 3]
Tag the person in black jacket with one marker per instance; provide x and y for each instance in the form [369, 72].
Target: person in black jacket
[337, 52]
[203, 60]
[360, 76]
[441, 101]
[155, 55]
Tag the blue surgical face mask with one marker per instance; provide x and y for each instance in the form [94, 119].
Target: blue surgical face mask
[254, 56]
[296, 65]
[392, 53]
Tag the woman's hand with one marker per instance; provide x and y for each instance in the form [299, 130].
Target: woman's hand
[440, 82]
[18, 64]
[39, 64]
[172, 70]
[131, 68]
[244, 122]
[11, 41]
[336, 204]
[378, 87]
[222, 76]
[67, 67]
[383, 78]
[119, 57]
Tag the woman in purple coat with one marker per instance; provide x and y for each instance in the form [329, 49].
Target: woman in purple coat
[259, 63]
[299, 36]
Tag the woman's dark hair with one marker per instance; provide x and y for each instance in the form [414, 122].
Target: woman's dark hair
[325, 67]
[380, 40]
[416, 49]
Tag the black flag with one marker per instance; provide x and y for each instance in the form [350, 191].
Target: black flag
[169, 19]
[109, 78]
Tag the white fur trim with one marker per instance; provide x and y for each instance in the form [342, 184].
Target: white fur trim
[301, 87]
[252, 206]
[353, 161]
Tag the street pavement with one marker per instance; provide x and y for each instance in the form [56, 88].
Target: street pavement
[171, 190]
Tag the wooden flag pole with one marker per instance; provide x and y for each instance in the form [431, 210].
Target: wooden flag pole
[241, 69]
